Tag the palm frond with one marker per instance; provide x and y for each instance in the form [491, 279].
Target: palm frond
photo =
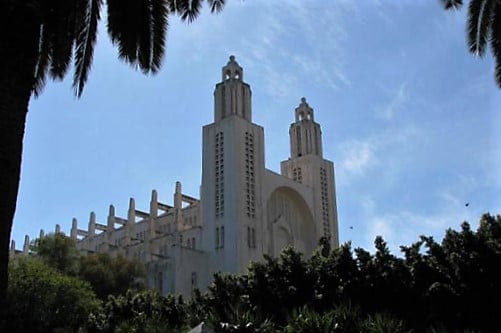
[479, 24]
[85, 41]
[495, 41]
[173, 5]
[144, 50]
[44, 58]
[115, 18]
[452, 4]
[216, 5]
[124, 27]
[138, 28]
[60, 19]
[160, 14]
[189, 10]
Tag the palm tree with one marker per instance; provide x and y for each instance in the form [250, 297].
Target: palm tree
[484, 28]
[40, 39]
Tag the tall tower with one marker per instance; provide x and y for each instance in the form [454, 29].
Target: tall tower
[232, 172]
[306, 165]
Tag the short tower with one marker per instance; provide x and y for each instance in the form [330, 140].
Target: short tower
[307, 166]
[232, 95]
[232, 70]
[305, 134]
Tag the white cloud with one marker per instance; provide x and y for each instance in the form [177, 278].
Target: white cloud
[404, 226]
[396, 103]
[382, 226]
[358, 157]
[385, 154]
[319, 34]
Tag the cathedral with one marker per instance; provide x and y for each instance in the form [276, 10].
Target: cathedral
[244, 210]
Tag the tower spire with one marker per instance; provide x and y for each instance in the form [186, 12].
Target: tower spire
[232, 70]
[305, 134]
[304, 111]
[232, 95]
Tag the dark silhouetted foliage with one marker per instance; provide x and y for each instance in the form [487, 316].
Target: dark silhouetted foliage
[141, 312]
[483, 28]
[42, 40]
[452, 284]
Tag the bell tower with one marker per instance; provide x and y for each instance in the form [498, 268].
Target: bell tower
[305, 133]
[307, 166]
[232, 174]
[232, 95]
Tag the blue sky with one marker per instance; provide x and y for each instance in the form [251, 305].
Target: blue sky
[410, 119]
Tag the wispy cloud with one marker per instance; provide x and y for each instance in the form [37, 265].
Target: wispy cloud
[404, 227]
[358, 157]
[396, 103]
[325, 33]
[318, 33]
[384, 154]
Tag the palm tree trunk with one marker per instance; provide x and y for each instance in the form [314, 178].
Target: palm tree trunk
[18, 55]
[12, 122]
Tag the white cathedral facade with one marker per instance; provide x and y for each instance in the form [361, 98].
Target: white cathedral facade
[244, 210]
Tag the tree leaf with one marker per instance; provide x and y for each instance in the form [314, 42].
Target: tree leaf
[495, 41]
[479, 24]
[452, 4]
[86, 39]
[216, 5]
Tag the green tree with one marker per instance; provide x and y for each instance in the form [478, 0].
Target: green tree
[107, 275]
[58, 251]
[483, 28]
[336, 277]
[41, 299]
[451, 284]
[40, 41]
[385, 282]
[455, 281]
[111, 276]
[280, 285]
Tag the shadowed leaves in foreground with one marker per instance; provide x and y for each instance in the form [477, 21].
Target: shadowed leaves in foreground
[483, 28]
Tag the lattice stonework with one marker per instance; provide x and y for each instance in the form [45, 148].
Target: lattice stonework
[219, 174]
[297, 175]
[250, 186]
[325, 202]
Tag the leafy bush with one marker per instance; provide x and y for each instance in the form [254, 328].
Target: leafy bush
[40, 299]
[140, 312]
